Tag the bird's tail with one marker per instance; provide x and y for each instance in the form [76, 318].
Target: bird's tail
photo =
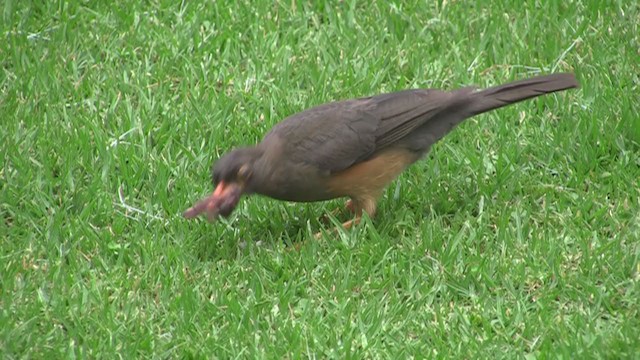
[503, 95]
[467, 102]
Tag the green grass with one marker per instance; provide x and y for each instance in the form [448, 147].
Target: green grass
[517, 237]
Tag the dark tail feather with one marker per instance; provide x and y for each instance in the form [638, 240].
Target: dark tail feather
[467, 102]
[503, 95]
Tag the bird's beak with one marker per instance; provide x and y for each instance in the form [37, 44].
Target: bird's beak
[222, 201]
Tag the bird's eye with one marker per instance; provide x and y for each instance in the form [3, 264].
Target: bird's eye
[244, 172]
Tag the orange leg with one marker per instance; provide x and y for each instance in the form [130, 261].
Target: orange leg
[348, 205]
[357, 206]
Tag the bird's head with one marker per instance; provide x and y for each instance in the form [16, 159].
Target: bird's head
[232, 176]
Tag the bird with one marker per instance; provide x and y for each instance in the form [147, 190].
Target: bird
[355, 148]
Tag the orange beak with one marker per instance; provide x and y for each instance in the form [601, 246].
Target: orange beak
[222, 201]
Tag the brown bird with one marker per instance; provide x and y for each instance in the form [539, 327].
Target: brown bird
[355, 148]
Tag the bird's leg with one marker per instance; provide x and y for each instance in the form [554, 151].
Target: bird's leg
[357, 205]
[348, 205]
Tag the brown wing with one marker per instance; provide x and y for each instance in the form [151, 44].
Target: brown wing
[405, 111]
[335, 136]
[330, 137]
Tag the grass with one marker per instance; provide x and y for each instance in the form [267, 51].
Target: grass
[517, 237]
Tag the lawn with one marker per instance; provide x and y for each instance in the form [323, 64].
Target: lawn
[518, 236]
